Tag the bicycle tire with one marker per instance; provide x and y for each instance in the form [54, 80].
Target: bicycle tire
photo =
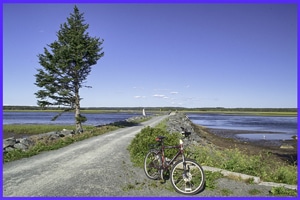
[191, 183]
[152, 165]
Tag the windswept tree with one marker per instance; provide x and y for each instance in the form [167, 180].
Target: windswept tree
[66, 65]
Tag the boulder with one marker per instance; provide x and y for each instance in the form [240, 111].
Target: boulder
[21, 146]
[9, 142]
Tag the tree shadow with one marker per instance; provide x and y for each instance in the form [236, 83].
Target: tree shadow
[121, 124]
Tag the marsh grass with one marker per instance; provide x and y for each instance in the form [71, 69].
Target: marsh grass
[235, 160]
[33, 129]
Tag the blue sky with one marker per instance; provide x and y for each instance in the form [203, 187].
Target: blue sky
[187, 55]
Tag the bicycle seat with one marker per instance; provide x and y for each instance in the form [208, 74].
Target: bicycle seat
[159, 138]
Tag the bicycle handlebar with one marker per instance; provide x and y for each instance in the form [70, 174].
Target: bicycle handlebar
[184, 133]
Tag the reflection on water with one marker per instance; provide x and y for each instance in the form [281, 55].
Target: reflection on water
[281, 127]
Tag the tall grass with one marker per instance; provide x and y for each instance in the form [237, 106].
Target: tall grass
[236, 160]
[33, 129]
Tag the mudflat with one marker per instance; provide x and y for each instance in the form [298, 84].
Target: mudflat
[282, 150]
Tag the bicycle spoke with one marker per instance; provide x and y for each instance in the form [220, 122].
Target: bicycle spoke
[188, 181]
[152, 165]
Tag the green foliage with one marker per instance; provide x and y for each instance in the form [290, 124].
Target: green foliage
[139, 146]
[32, 129]
[210, 179]
[235, 160]
[254, 192]
[282, 191]
[226, 192]
[81, 118]
[67, 64]
[285, 174]
[162, 125]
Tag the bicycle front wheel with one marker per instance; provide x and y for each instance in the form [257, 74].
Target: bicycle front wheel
[152, 165]
[189, 181]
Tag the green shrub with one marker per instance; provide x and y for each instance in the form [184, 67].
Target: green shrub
[235, 160]
[140, 145]
[282, 191]
[285, 174]
[210, 179]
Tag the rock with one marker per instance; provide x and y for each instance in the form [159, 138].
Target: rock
[25, 141]
[20, 146]
[50, 134]
[65, 133]
[178, 122]
[9, 142]
[23, 144]
[286, 146]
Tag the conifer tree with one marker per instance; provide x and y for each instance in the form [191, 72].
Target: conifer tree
[66, 65]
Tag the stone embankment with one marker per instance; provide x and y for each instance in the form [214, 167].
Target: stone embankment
[179, 122]
[25, 143]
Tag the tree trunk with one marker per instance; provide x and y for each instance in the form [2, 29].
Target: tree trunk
[78, 125]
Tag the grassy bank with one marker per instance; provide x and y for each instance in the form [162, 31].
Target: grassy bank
[28, 130]
[231, 159]
[47, 145]
[32, 129]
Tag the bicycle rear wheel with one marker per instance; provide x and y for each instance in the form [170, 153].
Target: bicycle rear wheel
[189, 182]
[152, 165]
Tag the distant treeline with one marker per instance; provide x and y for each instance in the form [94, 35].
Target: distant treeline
[211, 109]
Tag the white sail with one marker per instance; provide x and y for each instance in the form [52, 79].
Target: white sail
[144, 113]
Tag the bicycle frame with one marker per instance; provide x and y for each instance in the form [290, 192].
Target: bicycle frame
[181, 171]
[180, 148]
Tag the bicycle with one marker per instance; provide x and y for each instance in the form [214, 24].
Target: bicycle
[186, 176]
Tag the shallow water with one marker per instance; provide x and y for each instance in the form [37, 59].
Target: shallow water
[276, 128]
[266, 136]
[64, 119]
